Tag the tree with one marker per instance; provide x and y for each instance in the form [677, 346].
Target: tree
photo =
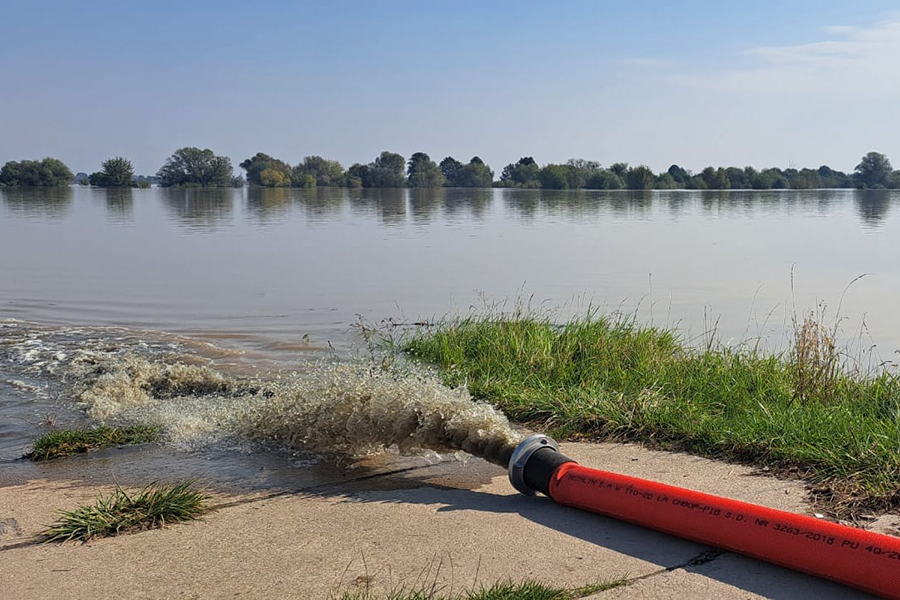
[449, 168]
[696, 182]
[358, 173]
[665, 181]
[584, 165]
[604, 179]
[195, 167]
[554, 177]
[524, 173]
[49, 172]
[758, 181]
[873, 170]
[834, 179]
[303, 180]
[715, 179]
[640, 178]
[473, 174]
[328, 173]
[737, 178]
[619, 168]
[680, 175]
[421, 171]
[779, 180]
[115, 172]
[894, 181]
[806, 179]
[388, 170]
[260, 162]
[580, 171]
[274, 178]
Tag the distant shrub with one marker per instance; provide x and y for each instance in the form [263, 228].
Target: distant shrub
[49, 172]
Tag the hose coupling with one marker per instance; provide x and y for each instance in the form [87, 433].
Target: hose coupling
[520, 457]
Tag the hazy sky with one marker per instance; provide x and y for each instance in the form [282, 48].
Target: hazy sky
[765, 83]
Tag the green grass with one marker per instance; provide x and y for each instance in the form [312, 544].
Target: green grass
[527, 590]
[66, 442]
[801, 411]
[153, 506]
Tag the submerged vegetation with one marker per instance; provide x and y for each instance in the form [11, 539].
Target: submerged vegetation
[68, 442]
[193, 167]
[806, 411]
[48, 172]
[115, 172]
[153, 506]
[527, 590]
[873, 171]
[390, 170]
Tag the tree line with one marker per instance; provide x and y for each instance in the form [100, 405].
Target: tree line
[873, 171]
[193, 167]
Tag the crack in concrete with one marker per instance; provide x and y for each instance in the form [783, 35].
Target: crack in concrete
[705, 557]
[702, 558]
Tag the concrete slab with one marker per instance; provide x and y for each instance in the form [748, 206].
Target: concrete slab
[449, 525]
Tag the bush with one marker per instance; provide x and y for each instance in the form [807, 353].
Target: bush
[48, 172]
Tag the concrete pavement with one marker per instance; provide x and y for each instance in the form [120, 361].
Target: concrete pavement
[387, 524]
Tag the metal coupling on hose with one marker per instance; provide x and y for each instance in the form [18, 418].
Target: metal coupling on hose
[520, 457]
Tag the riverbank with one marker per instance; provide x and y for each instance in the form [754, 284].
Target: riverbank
[806, 413]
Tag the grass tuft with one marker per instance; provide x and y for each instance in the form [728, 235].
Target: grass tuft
[527, 590]
[67, 442]
[153, 506]
[800, 411]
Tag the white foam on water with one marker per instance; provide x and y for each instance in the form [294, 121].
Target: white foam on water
[122, 376]
[334, 407]
[25, 387]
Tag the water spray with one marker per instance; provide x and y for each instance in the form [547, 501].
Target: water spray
[857, 558]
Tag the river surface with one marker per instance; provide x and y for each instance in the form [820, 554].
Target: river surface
[253, 280]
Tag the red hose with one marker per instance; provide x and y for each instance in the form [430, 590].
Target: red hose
[861, 559]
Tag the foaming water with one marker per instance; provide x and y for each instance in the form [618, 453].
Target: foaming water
[341, 408]
[43, 366]
[120, 376]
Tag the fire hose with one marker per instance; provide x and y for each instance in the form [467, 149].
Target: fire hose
[857, 558]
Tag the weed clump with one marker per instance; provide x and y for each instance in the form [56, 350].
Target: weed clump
[816, 363]
[67, 442]
[153, 506]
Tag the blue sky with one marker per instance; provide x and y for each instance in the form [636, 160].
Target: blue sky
[765, 83]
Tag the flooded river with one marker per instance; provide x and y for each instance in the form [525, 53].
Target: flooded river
[256, 283]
